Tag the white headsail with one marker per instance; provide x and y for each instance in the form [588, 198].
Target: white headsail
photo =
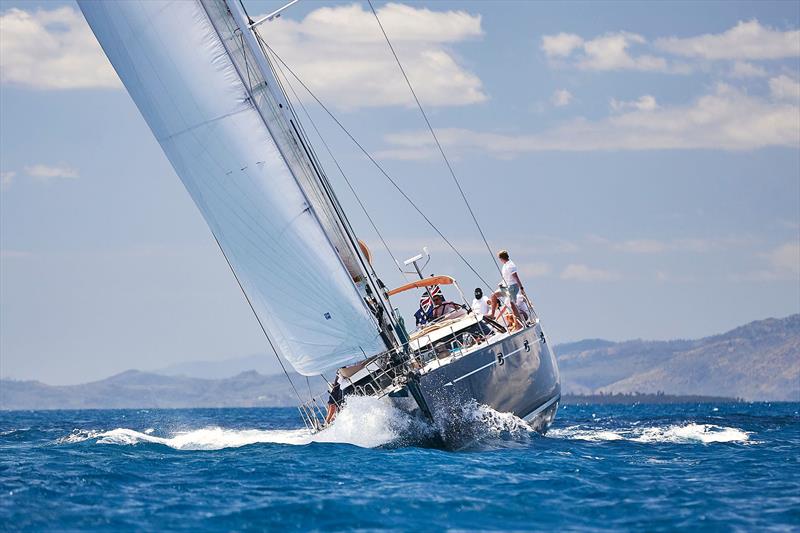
[179, 72]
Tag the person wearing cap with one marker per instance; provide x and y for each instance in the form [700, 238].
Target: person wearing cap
[480, 305]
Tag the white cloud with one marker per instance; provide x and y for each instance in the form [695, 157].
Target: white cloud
[579, 272]
[6, 179]
[727, 119]
[340, 53]
[561, 45]
[743, 69]
[52, 49]
[783, 264]
[534, 270]
[610, 51]
[786, 258]
[644, 103]
[561, 98]
[746, 40]
[663, 276]
[785, 88]
[624, 50]
[642, 246]
[48, 172]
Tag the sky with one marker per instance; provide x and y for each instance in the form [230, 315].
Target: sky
[640, 162]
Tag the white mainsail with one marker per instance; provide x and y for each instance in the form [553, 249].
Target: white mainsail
[177, 69]
[254, 67]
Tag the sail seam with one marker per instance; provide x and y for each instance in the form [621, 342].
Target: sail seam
[201, 124]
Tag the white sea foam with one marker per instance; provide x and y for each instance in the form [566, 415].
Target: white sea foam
[674, 434]
[371, 422]
[705, 433]
[210, 438]
[474, 423]
[364, 422]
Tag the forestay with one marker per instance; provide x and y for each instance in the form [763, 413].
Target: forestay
[177, 70]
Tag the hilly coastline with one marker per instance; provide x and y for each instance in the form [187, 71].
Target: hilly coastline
[759, 361]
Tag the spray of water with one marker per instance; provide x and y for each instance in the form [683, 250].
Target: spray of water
[364, 421]
[372, 422]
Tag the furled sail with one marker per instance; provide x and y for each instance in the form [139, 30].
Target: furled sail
[176, 67]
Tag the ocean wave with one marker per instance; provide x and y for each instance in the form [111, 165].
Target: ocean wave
[365, 422]
[673, 434]
[208, 438]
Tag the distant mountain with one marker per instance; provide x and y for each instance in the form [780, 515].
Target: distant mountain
[757, 361]
[262, 363]
[135, 389]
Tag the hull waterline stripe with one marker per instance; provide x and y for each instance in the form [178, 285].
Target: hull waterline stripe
[484, 367]
[541, 408]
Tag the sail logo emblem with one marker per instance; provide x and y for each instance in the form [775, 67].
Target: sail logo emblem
[327, 316]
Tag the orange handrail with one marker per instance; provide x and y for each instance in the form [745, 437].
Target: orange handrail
[427, 282]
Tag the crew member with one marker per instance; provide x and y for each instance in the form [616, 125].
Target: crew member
[512, 284]
[441, 308]
[480, 304]
[335, 398]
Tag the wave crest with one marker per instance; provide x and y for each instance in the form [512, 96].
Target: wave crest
[365, 422]
[673, 434]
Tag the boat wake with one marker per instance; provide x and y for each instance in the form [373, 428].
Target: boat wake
[208, 438]
[365, 422]
[371, 423]
[689, 433]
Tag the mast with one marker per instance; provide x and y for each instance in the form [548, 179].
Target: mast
[286, 129]
[205, 102]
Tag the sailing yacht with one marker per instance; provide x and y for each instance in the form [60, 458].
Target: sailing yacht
[208, 85]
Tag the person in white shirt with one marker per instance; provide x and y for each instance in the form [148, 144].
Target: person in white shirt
[480, 304]
[513, 285]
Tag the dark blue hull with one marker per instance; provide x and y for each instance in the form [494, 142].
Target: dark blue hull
[518, 375]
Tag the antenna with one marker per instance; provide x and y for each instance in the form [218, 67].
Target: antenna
[416, 259]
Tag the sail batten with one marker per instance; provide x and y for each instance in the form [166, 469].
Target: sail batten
[172, 59]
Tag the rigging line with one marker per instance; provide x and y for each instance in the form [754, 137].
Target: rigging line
[316, 169]
[435, 138]
[377, 165]
[247, 298]
[308, 384]
[344, 176]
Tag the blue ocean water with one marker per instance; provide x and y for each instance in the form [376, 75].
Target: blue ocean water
[642, 467]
